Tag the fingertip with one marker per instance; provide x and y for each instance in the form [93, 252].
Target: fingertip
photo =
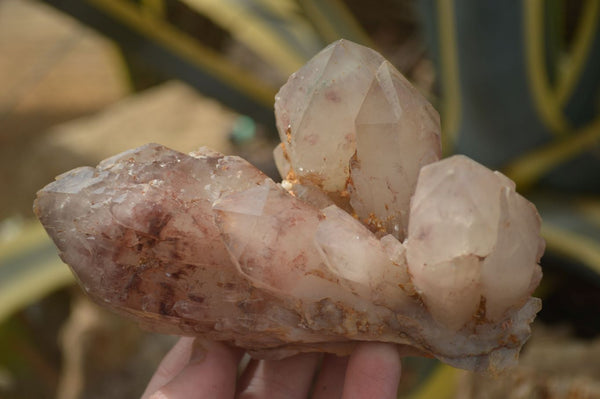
[209, 372]
[373, 371]
[330, 381]
[286, 378]
[173, 362]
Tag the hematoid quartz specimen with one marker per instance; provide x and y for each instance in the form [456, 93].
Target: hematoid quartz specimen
[370, 236]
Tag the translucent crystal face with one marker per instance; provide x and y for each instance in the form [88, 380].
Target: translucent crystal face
[316, 109]
[369, 237]
[473, 242]
[397, 132]
[353, 126]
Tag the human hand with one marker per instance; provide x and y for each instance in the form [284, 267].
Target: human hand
[195, 368]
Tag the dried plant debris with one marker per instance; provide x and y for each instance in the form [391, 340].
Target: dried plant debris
[370, 236]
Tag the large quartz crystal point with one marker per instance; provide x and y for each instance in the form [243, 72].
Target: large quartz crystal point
[397, 132]
[315, 112]
[473, 243]
[139, 235]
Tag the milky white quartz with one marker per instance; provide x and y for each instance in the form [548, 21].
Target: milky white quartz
[327, 92]
[397, 132]
[369, 237]
[473, 242]
[353, 126]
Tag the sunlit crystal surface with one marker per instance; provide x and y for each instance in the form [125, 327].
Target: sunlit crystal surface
[316, 109]
[397, 132]
[369, 237]
[486, 239]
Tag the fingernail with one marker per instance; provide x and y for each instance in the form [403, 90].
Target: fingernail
[198, 351]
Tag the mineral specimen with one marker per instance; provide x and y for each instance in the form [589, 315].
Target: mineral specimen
[352, 126]
[205, 244]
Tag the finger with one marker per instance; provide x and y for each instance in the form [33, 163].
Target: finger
[330, 381]
[288, 378]
[373, 372]
[210, 373]
[171, 365]
[246, 375]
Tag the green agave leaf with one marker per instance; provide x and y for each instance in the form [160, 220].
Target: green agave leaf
[334, 21]
[165, 47]
[577, 92]
[29, 269]
[275, 30]
[507, 96]
[571, 228]
[528, 168]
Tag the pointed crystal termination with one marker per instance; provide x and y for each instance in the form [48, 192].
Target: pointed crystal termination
[397, 133]
[315, 112]
[473, 243]
[355, 129]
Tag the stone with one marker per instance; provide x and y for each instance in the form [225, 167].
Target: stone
[205, 244]
[316, 109]
[486, 241]
[397, 133]
[369, 237]
[346, 121]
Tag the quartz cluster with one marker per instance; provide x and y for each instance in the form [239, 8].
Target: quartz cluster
[370, 236]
